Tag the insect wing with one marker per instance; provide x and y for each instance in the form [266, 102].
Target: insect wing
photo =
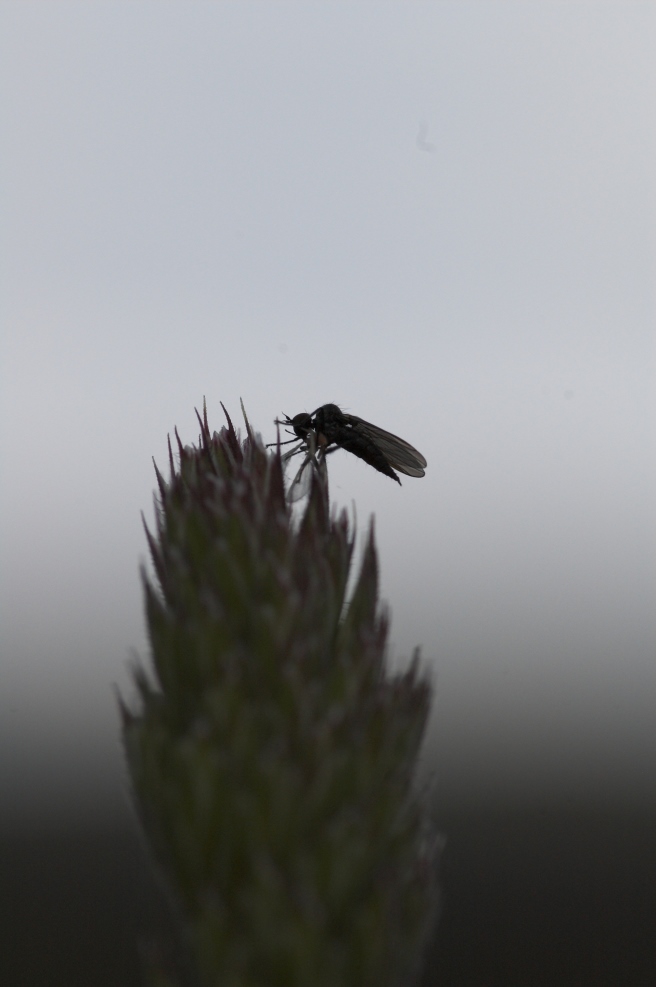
[286, 456]
[300, 485]
[399, 453]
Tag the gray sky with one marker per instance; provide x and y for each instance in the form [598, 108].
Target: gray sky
[439, 216]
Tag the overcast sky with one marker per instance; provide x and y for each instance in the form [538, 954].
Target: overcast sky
[439, 216]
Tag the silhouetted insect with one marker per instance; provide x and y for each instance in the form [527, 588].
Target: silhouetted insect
[328, 428]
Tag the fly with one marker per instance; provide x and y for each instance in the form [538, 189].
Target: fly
[328, 428]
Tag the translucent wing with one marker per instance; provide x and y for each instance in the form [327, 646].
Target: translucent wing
[300, 447]
[399, 453]
[300, 485]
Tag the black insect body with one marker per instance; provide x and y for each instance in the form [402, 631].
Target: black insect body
[328, 428]
[350, 433]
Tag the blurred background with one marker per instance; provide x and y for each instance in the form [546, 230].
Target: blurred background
[440, 217]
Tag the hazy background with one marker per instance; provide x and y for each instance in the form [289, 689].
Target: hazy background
[439, 216]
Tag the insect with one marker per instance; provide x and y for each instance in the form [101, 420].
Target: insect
[328, 428]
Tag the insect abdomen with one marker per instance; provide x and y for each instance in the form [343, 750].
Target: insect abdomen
[362, 446]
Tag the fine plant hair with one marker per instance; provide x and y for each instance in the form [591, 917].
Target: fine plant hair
[272, 755]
